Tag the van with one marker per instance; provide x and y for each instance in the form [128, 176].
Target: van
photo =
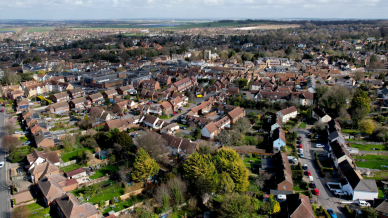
[362, 203]
[281, 198]
[311, 179]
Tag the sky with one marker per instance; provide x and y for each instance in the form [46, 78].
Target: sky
[192, 9]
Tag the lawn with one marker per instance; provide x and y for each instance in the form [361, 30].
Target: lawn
[107, 193]
[302, 125]
[73, 155]
[72, 167]
[33, 206]
[125, 204]
[164, 117]
[254, 160]
[39, 29]
[103, 171]
[374, 162]
[350, 131]
[367, 147]
[23, 139]
[184, 125]
[381, 193]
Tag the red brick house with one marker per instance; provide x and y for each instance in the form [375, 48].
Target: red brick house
[150, 85]
[236, 114]
[59, 97]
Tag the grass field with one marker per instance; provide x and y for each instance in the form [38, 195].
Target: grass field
[255, 161]
[38, 29]
[72, 167]
[350, 131]
[302, 125]
[73, 155]
[107, 193]
[367, 147]
[374, 162]
[125, 204]
[103, 171]
[10, 29]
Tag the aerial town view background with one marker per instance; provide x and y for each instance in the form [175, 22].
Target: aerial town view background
[148, 118]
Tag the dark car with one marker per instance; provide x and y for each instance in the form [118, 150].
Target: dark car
[312, 185]
[322, 155]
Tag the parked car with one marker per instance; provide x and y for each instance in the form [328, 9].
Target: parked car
[26, 132]
[316, 136]
[18, 132]
[316, 192]
[331, 212]
[322, 155]
[2, 110]
[148, 103]
[182, 127]
[312, 185]
[305, 167]
[299, 137]
[340, 193]
[1, 164]
[26, 143]
[300, 146]
[308, 173]
[319, 146]
[301, 150]
[301, 155]
[363, 203]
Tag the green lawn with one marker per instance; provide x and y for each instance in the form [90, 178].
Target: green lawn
[125, 204]
[367, 147]
[374, 162]
[302, 125]
[33, 206]
[381, 193]
[255, 162]
[73, 155]
[350, 131]
[250, 140]
[164, 117]
[23, 139]
[72, 167]
[107, 193]
[108, 169]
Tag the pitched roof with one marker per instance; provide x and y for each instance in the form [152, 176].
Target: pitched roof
[75, 172]
[50, 156]
[72, 208]
[166, 105]
[211, 127]
[96, 96]
[299, 206]
[51, 190]
[78, 100]
[320, 112]
[150, 119]
[61, 95]
[119, 123]
[381, 205]
[279, 133]
[60, 104]
[44, 168]
[236, 112]
[288, 110]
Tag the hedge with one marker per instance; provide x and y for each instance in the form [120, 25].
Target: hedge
[310, 194]
[327, 169]
[327, 214]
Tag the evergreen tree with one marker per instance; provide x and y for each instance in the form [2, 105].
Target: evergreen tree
[144, 166]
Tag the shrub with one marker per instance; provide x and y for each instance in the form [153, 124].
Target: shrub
[311, 196]
[300, 166]
[314, 206]
[112, 201]
[327, 169]
[326, 214]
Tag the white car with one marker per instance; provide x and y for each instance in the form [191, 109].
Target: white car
[301, 150]
[319, 146]
[340, 193]
[1, 164]
[363, 204]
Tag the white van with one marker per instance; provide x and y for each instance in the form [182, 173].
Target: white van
[362, 203]
[281, 198]
[311, 179]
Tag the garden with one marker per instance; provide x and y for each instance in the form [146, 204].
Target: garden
[74, 154]
[368, 147]
[373, 161]
[108, 169]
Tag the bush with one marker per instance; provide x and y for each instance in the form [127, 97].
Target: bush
[311, 196]
[112, 201]
[300, 166]
[314, 206]
[327, 169]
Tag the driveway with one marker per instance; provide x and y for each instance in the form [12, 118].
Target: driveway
[326, 197]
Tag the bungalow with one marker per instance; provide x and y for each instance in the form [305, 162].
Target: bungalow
[376, 83]
[358, 187]
[59, 97]
[287, 114]
[320, 115]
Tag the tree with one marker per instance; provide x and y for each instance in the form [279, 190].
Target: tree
[84, 156]
[153, 144]
[144, 166]
[235, 206]
[41, 72]
[91, 190]
[226, 183]
[358, 114]
[162, 196]
[359, 75]
[242, 82]
[319, 126]
[10, 126]
[242, 124]
[366, 126]
[360, 100]
[178, 190]
[68, 142]
[335, 98]
[86, 117]
[370, 212]
[275, 207]
[9, 143]
[107, 102]
[252, 116]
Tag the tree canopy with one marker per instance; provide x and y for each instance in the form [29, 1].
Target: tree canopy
[144, 166]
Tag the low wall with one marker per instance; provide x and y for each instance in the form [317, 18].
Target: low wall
[68, 163]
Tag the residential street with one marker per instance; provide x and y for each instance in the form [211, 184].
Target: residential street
[4, 189]
[325, 199]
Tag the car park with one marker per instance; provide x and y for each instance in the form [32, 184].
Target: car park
[316, 192]
[331, 212]
[319, 146]
[304, 167]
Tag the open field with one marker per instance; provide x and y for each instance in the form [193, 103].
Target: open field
[367, 147]
[38, 29]
[269, 27]
[373, 162]
[10, 29]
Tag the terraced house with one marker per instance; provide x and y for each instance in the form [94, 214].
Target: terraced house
[184, 84]
[60, 97]
[150, 85]
[58, 108]
[75, 93]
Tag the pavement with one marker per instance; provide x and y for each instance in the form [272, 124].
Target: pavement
[326, 199]
[4, 188]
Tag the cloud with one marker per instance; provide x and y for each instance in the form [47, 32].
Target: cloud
[105, 9]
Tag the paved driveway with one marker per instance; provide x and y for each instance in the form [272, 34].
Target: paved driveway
[326, 197]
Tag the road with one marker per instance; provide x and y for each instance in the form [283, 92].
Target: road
[4, 189]
[325, 199]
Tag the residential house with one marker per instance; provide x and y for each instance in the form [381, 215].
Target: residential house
[179, 145]
[224, 109]
[97, 98]
[75, 93]
[126, 90]
[166, 108]
[60, 97]
[34, 89]
[22, 103]
[38, 157]
[336, 136]
[109, 93]
[376, 83]
[381, 205]
[299, 206]
[278, 138]
[14, 93]
[255, 85]
[236, 114]
[195, 121]
[58, 108]
[43, 138]
[153, 122]
[121, 124]
[276, 122]
[320, 115]
[233, 91]
[176, 104]
[99, 113]
[288, 113]
[283, 173]
[184, 84]
[339, 154]
[150, 85]
[121, 106]
[77, 103]
[42, 170]
[170, 129]
[68, 206]
[358, 187]
[203, 108]
[212, 129]
[53, 186]
[164, 79]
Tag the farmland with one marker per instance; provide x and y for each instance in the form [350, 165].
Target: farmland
[39, 29]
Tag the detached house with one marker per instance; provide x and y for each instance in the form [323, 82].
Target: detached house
[166, 108]
[212, 129]
[320, 115]
[170, 129]
[287, 114]
[153, 122]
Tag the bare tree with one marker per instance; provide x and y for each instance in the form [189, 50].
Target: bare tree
[68, 142]
[359, 75]
[162, 193]
[9, 143]
[178, 190]
[10, 77]
[319, 126]
[153, 143]
[10, 126]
